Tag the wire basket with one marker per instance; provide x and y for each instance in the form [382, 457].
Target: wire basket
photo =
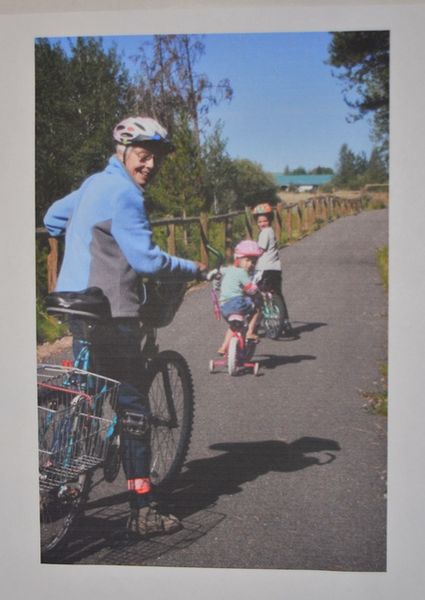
[160, 301]
[76, 419]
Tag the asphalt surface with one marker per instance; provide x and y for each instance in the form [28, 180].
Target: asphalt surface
[286, 470]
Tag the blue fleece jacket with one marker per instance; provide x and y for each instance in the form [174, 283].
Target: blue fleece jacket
[108, 240]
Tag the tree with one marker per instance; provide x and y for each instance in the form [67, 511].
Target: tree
[321, 171]
[170, 85]
[347, 168]
[362, 60]
[218, 172]
[299, 171]
[251, 184]
[51, 87]
[178, 188]
[376, 171]
[355, 170]
[79, 97]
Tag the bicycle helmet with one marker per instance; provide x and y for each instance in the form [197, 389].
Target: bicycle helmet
[142, 130]
[262, 209]
[247, 248]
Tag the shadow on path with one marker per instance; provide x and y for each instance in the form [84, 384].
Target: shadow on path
[100, 536]
[299, 327]
[271, 361]
[205, 480]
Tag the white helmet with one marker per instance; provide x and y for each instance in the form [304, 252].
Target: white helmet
[141, 130]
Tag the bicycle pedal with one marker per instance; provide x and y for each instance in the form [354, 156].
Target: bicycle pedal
[69, 492]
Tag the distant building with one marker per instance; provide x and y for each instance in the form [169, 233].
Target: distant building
[302, 183]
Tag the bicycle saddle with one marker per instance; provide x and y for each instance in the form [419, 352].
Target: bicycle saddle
[91, 302]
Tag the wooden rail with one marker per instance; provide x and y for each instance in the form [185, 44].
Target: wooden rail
[291, 222]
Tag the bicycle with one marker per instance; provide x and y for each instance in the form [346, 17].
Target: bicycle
[240, 351]
[79, 427]
[274, 314]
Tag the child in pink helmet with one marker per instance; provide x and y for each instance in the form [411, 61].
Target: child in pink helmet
[237, 289]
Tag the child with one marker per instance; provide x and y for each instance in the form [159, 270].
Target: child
[237, 289]
[268, 271]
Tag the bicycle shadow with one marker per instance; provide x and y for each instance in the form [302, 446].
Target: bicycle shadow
[100, 537]
[298, 328]
[204, 481]
[271, 361]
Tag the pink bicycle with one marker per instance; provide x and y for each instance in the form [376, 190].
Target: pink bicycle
[239, 352]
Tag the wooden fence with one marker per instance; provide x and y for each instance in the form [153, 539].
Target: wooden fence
[291, 222]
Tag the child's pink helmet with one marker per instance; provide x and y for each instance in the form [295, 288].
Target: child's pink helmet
[247, 248]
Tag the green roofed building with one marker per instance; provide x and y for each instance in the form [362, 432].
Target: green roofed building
[302, 183]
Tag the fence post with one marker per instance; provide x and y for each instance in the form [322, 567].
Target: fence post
[228, 238]
[248, 223]
[203, 225]
[171, 239]
[311, 214]
[52, 264]
[288, 222]
[277, 224]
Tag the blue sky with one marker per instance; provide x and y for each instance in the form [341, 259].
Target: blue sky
[287, 108]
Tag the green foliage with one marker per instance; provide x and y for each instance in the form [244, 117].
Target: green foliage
[362, 61]
[382, 260]
[48, 328]
[354, 171]
[178, 188]
[79, 97]
[218, 192]
[251, 184]
[302, 171]
[321, 171]
[377, 401]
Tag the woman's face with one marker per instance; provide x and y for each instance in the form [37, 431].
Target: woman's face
[141, 164]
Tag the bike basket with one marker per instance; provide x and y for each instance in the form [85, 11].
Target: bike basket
[75, 422]
[160, 301]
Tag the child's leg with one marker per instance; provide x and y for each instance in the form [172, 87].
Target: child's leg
[226, 341]
[252, 324]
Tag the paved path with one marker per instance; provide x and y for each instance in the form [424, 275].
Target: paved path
[286, 470]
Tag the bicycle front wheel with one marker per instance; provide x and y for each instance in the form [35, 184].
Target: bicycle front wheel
[59, 509]
[273, 316]
[171, 403]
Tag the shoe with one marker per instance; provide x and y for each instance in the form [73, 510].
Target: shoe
[148, 521]
[221, 351]
[252, 338]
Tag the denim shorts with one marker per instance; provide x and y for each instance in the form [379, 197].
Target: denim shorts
[241, 305]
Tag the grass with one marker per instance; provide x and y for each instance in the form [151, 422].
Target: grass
[382, 260]
[377, 402]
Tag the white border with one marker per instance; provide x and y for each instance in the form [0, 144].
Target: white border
[22, 575]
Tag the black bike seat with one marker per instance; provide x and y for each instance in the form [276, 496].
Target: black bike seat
[90, 302]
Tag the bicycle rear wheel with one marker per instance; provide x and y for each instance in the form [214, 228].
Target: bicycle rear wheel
[232, 356]
[273, 316]
[171, 402]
